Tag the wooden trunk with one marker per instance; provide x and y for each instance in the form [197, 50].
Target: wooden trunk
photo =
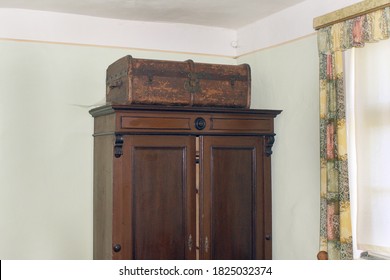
[182, 183]
[145, 81]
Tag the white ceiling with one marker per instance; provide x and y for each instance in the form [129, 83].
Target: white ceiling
[231, 14]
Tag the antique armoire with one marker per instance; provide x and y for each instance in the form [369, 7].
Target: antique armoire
[182, 182]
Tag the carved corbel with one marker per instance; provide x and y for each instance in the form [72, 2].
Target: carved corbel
[118, 146]
[269, 142]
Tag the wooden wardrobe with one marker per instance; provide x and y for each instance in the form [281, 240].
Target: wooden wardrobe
[182, 183]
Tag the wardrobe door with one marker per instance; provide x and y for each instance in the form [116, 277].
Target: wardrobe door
[232, 197]
[156, 217]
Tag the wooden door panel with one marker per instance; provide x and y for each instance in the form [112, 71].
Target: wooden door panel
[159, 206]
[231, 197]
[159, 230]
[232, 203]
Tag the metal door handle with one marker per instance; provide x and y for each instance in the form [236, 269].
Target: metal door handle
[190, 242]
[206, 244]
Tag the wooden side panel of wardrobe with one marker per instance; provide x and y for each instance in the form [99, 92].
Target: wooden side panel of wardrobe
[158, 198]
[102, 197]
[232, 198]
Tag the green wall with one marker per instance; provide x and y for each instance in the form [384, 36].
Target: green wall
[46, 144]
[286, 77]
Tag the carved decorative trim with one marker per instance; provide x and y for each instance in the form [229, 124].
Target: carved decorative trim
[118, 146]
[269, 142]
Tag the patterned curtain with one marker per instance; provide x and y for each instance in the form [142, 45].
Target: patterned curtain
[335, 227]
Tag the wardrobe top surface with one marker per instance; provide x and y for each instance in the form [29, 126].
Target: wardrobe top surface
[110, 108]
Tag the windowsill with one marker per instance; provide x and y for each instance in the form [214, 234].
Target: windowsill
[372, 256]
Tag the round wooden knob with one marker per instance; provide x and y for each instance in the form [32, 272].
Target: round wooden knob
[117, 248]
[200, 123]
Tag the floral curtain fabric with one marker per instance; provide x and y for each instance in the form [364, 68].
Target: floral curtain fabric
[335, 224]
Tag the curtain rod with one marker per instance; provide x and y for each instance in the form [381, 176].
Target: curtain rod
[349, 12]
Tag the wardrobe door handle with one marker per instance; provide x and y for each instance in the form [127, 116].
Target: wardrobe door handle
[190, 242]
[206, 244]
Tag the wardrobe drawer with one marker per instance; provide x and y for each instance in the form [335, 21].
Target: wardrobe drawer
[236, 125]
[155, 123]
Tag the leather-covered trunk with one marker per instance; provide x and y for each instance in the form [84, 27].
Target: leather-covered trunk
[173, 83]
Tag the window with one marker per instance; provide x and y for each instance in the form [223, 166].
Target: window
[368, 119]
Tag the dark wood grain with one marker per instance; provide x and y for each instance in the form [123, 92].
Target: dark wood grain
[232, 193]
[159, 196]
